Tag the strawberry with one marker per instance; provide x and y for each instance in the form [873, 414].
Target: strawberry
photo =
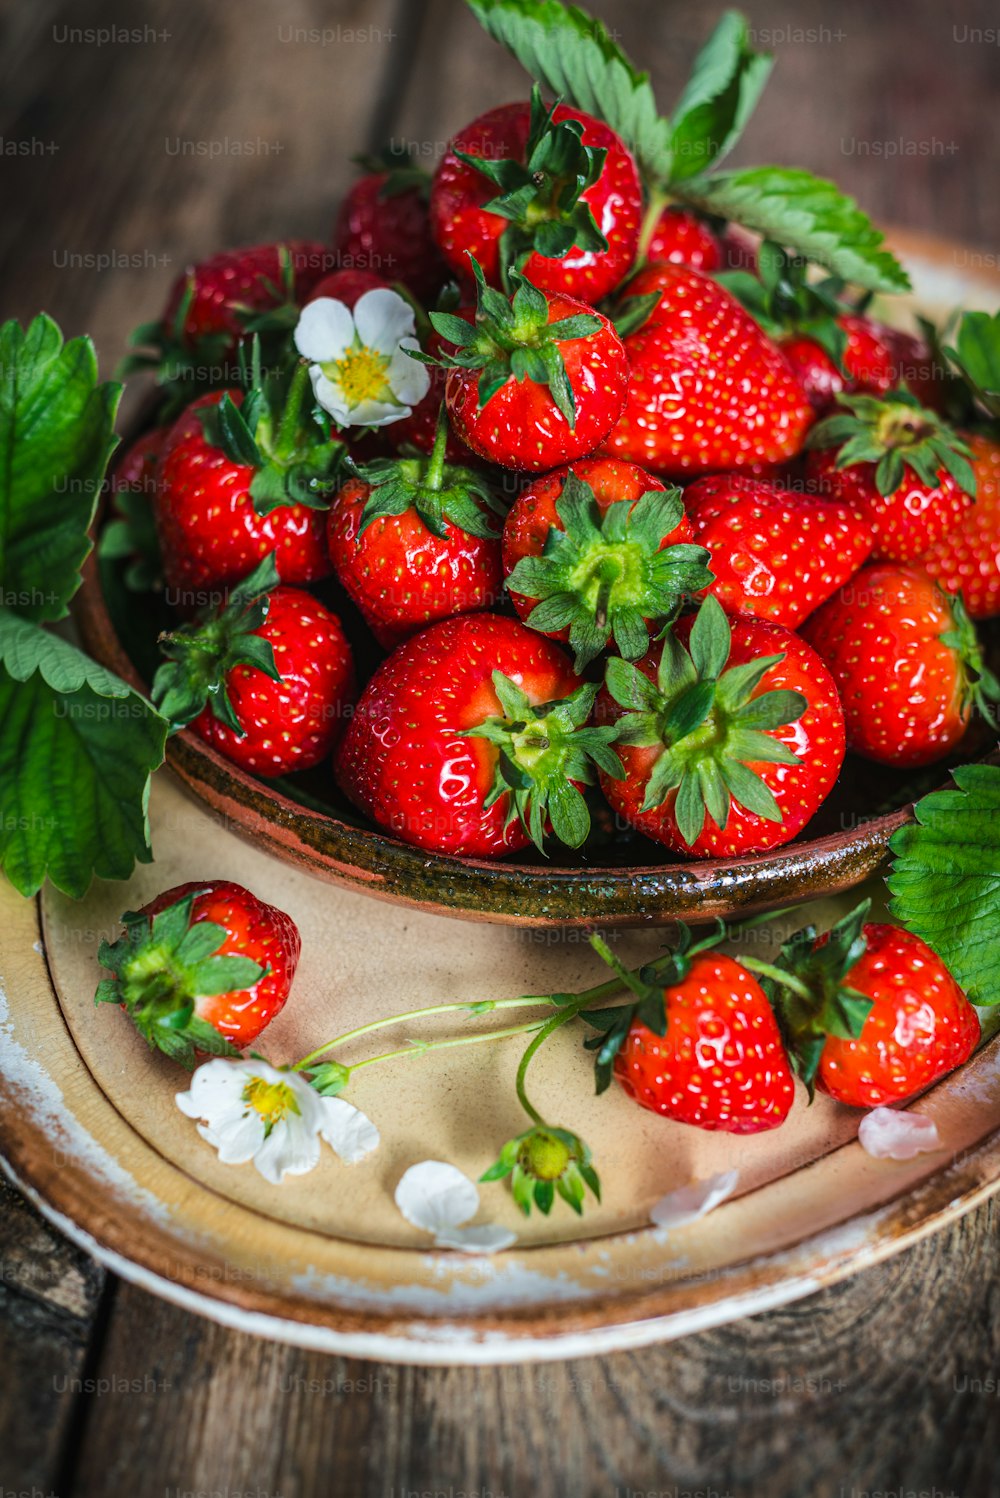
[416, 540]
[872, 1014]
[898, 465]
[680, 237]
[383, 227]
[693, 362]
[966, 559]
[203, 968]
[267, 680]
[534, 381]
[230, 490]
[473, 736]
[731, 735]
[552, 193]
[906, 662]
[774, 554]
[131, 535]
[715, 1058]
[346, 286]
[865, 363]
[599, 552]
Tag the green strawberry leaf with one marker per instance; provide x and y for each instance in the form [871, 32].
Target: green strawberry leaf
[945, 879]
[725, 84]
[77, 747]
[977, 357]
[56, 435]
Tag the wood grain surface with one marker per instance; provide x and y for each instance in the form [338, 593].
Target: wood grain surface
[230, 121]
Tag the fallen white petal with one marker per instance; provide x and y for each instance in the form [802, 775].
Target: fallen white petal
[382, 317]
[325, 330]
[887, 1134]
[688, 1203]
[346, 1130]
[436, 1196]
[490, 1238]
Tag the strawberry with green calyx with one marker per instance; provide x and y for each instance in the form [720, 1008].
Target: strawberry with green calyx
[901, 467]
[202, 968]
[543, 1161]
[550, 192]
[534, 381]
[598, 553]
[267, 679]
[414, 540]
[731, 735]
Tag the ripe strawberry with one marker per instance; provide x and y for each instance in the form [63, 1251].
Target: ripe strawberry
[203, 968]
[718, 1062]
[874, 1016]
[598, 552]
[680, 237]
[898, 465]
[267, 679]
[471, 737]
[535, 381]
[228, 494]
[865, 363]
[906, 662]
[383, 227]
[774, 554]
[693, 361]
[552, 193]
[346, 286]
[731, 736]
[966, 559]
[416, 540]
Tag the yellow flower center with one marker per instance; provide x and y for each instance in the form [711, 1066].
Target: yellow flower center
[361, 375]
[272, 1100]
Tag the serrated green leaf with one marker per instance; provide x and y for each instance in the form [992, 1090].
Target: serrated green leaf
[726, 81]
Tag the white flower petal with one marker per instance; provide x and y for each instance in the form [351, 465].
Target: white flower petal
[887, 1134]
[382, 317]
[688, 1203]
[330, 396]
[377, 413]
[215, 1084]
[291, 1148]
[436, 1196]
[409, 380]
[236, 1139]
[488, 1239]
[346, 1130]
[325, 330]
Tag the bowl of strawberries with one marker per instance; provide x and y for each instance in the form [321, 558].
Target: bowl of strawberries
[569, 541]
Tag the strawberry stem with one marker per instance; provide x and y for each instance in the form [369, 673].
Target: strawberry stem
[420, 1048]
[434, 472]
[658, 200]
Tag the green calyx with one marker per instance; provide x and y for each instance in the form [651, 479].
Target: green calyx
[783, 300]
[513, 336]
[895, 433]
[162, 967]
[277, 433]
[711, 723]
[439, 493]
[980, 687]
[604, 576]
[541, 751]
[400, 168]
[542, 197]
[199, 656]
[545, 1161]
[807, 988]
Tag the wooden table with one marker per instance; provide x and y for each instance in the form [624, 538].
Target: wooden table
[225, 122]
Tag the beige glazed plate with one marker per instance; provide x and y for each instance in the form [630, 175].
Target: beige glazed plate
[90, 1131]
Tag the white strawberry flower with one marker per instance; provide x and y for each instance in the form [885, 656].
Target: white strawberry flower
[248, 1110]
[360, 371]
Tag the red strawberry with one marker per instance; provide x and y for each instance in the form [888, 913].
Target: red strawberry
[906, 662]
[774, 554]
[218, 515]
[416, 540]
[553, 194]
[597, 552]
[202, 968]
[874, 1016]
[708, 389]
[267, 680]
[134, 469]
[720, 1063]
[899, 466]
[867, 363]
[535, 381]
[731, 735]
[471, 737]
[383, 227]
[680, 237]
[346, 286]
[966, 559]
